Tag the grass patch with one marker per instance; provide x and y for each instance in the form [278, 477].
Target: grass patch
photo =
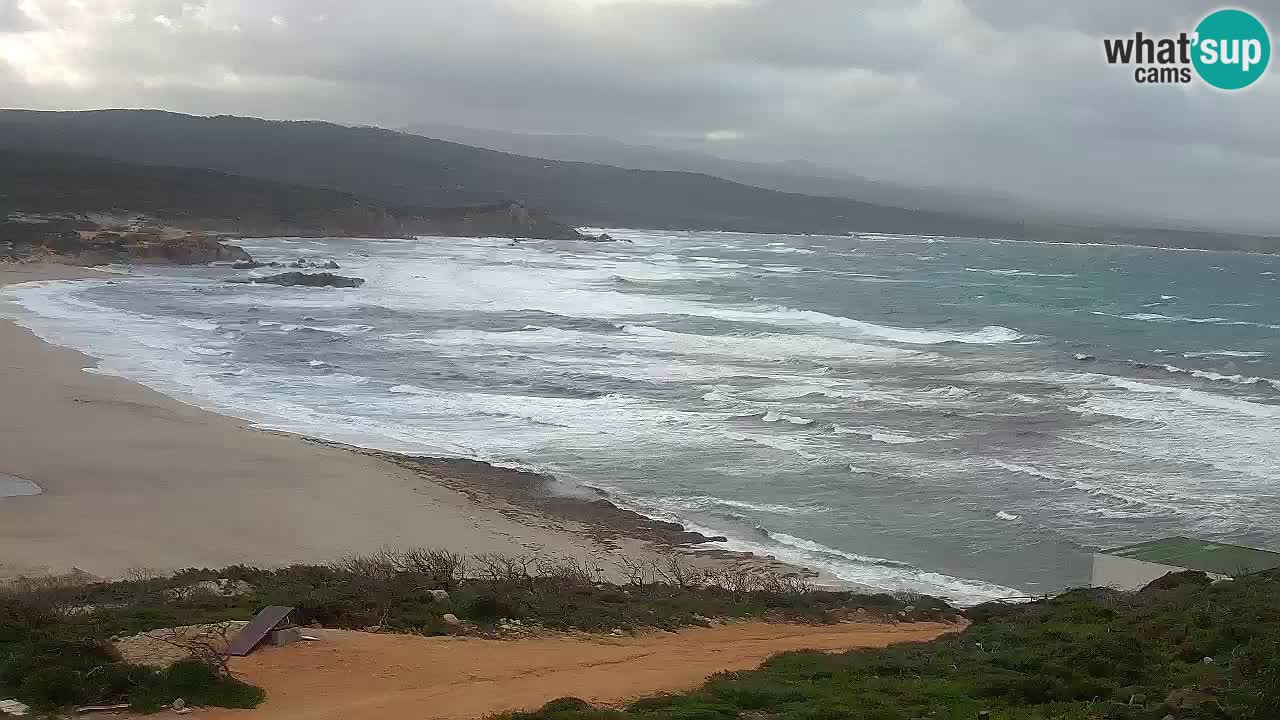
[1085, 655]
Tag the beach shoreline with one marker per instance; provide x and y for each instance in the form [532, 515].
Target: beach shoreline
[133, 479]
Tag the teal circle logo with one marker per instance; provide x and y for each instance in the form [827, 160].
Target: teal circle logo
[1232, 49]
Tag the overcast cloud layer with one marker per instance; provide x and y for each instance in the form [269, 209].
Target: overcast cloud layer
[1011, 96]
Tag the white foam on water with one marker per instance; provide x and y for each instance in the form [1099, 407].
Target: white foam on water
[1025, 470]
[1159, 318]
[1019, 273]
[12, 486]
[793, 419]
[878, 435]
[1002, 515]
[1226, 353]
[895, 439]
[1235, 379]
[706, 502]
[989, 335]
[861, 570]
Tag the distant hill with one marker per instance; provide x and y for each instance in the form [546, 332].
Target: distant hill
[402, 169]
[801, 177]
[389, 169]
[42, 183]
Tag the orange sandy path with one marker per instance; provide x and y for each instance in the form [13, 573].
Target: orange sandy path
[352, 675]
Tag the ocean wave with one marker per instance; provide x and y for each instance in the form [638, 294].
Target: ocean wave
[949, 392]
[884, 573]
[1009, 517]
[208, 351]
[864, 571]
[347, 329]
[647, 339]
[205, 325]
[1019, 273]
[1159, 318]
[1220, 377]
[895, 439]
[1226, 353]
[988, 335]
[793, 419]
[878, 435]
[705, 502]
[1025, 470]
[1203, 400]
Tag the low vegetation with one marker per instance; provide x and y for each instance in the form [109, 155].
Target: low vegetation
[50, 661]
[1182, 648]
[55, 648]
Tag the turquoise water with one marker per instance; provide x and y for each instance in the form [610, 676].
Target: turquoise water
[963, 417]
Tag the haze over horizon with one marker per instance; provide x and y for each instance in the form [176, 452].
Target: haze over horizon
[992, 96]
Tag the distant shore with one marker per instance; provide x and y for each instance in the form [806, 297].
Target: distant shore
[132, 479]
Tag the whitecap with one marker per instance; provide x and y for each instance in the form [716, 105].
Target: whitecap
[1019, 273]
[1226, 353]
[1025, 470]
[1220, 377]
[1002, 515]
[894, 439]
[772, 416]
[704, 502]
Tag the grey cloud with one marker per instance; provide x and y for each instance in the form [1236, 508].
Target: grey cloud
[1010, 96]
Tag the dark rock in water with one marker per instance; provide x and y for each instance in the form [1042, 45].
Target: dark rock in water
[331, 265]
[290, 279]
[245, 265]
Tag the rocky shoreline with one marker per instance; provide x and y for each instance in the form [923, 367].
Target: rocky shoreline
[539, 494]
[145, 246]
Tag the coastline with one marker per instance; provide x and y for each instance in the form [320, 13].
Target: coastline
[132, 479]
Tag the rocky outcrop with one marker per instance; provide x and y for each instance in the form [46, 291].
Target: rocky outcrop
[292, 279]
[135, 246]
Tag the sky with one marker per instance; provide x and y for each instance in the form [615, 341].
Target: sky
[1012, 97]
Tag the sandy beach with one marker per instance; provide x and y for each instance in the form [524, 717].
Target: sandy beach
[131, 479]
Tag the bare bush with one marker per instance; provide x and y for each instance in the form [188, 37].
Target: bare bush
[675, 569]
[380, 566]
[497, 567]
[441, 567]
[570, 570]
[207, 646]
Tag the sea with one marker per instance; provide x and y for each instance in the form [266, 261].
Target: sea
[968, 418]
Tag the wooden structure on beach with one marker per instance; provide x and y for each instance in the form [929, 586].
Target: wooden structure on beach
[274, 621]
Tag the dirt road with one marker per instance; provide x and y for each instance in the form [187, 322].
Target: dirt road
[353, 675]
